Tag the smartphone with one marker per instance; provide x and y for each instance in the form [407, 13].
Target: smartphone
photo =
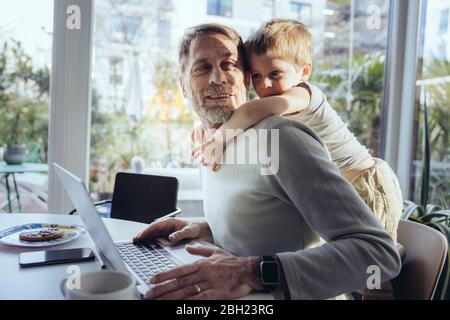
[43, 258]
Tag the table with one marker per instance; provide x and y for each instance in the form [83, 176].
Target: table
[44, 282]
[11, 170]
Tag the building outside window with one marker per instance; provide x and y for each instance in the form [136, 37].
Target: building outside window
[164, 33]
[125, 29]
[443, 22]
[268, 9]
[222, 8]
[116, 68]
[301, 12]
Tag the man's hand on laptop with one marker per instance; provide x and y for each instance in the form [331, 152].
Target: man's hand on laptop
[220, 275]
[175, 230]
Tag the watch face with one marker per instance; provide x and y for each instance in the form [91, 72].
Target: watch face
[270, 273]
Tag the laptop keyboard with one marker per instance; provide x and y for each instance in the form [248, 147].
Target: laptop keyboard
[145, 259]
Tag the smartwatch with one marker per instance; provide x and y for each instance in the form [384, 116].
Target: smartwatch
[270, 273]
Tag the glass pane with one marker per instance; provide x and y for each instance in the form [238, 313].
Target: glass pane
[220, 8]
[143, 120]
[213, 7]
[351, 40]
[301, 12]
[433, 87]
[164, 33]
[25, 62]
[226, 8]
[268, 9]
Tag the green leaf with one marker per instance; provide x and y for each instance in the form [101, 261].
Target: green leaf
[432, 208]
[415, 219]
[431, 216]
[409, 211]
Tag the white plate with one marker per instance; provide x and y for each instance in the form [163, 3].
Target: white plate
[11, 236]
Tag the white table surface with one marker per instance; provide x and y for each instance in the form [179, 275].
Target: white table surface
[44, 282]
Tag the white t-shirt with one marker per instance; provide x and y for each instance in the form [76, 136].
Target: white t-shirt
[345, 150]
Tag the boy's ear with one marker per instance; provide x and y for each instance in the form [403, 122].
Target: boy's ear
[248, 77]
[306, 71]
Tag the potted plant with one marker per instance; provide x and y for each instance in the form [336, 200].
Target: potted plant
[16, 152]
[432, 215]
[23, 104]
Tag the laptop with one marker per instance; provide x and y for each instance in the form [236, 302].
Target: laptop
[140, 260]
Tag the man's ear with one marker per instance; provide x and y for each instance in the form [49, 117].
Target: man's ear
[183, 85]
[306, 71]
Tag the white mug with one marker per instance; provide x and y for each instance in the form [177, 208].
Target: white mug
[102, 285]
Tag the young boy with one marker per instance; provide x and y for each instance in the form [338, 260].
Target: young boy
[280, 55]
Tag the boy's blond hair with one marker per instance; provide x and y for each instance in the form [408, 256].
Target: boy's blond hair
[283, 38]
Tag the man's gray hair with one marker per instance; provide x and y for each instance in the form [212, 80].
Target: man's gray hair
[207, 29]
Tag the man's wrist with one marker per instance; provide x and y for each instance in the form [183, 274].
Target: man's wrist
[252, 272]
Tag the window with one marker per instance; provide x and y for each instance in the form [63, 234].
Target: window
[349, 63]
[220, 8]
[116, 67]
[164, 33]
[433, 88]
[135, 92]
[125, 29]
[268, 9]
[443, 22]
[166, 5]
[442, 51]
[148, 111]
[301, 12]
[26, 28]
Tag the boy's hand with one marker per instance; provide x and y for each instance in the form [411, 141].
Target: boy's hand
[200, 139]
[198, 134]
[209, 153]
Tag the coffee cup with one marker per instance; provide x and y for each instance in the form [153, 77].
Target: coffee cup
[101, 285]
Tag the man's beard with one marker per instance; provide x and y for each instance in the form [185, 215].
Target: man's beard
[214, 114]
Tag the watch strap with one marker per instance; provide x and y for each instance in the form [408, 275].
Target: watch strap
[269, 287]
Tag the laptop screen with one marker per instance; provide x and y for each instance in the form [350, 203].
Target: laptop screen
[81, 200]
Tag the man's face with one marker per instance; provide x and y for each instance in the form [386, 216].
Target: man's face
[214, 78]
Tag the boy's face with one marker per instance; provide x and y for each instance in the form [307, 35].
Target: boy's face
[273, 76]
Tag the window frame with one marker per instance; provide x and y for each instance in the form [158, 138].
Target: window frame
[70, 99]
[399, 92]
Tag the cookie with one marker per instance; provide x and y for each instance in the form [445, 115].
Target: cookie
[41, 235]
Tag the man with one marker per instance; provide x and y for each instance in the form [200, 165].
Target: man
[280, 216]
